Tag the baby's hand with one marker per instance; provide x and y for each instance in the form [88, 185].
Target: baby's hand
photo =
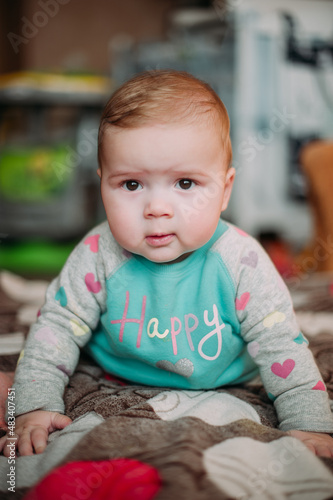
[32, 430]
[320, 444]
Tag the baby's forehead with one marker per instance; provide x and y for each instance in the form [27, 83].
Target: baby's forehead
[159, 145]
[167, 124]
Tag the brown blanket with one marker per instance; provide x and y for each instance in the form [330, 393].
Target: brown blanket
[221, 444]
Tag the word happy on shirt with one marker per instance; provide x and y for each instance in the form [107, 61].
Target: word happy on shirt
[190, 324]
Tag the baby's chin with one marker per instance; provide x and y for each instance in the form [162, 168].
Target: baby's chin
[179, 259]
[157, 260]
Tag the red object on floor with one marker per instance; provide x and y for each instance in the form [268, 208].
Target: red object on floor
[107, 376]
[119, 479]
[281, 256]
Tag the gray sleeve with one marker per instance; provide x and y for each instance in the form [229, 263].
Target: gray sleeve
[73, 305]
[269, 327]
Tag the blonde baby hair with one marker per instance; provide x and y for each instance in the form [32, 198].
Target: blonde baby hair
[165, 97]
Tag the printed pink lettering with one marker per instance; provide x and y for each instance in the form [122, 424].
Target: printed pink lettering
[191, 329]
[191, 323]
[174, 332]
[125, 320]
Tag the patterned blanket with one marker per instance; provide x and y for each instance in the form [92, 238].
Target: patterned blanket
[138, 442]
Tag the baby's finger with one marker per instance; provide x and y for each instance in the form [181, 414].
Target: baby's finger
[39, 437]
[323, 450]
[24, 444]
[310, 446]
[3, 439]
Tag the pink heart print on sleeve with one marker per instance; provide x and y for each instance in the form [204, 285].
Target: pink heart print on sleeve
[283, 370]
[92, 241]
[241, 303]
[241, 232]
[91, 284]
[320, 386]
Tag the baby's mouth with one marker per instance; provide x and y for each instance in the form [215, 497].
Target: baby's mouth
[156, 240]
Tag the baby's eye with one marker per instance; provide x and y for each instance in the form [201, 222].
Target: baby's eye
[131, 185]
[185, 184]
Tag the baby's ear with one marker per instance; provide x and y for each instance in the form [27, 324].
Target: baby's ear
[229, 181]
[99, 172]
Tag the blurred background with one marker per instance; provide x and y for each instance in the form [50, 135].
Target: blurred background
[270, 61]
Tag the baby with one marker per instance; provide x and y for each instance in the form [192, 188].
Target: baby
[165, 293]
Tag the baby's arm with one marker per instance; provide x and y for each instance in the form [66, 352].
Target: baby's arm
[288, 370]
[31, 432]
[72, 310]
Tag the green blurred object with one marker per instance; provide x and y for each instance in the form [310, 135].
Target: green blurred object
[41, 257]
[34, 174]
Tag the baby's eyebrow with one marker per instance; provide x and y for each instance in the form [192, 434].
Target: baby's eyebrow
[186, 174]
[179, 173]
[124, 174]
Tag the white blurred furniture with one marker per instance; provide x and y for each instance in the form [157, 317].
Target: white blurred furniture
[283, 97]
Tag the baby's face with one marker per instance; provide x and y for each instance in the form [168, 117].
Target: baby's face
[163, 188]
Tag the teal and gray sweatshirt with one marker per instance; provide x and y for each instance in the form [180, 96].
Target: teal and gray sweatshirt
[221, 316]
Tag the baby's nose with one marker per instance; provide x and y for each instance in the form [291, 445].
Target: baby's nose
[158, 206]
